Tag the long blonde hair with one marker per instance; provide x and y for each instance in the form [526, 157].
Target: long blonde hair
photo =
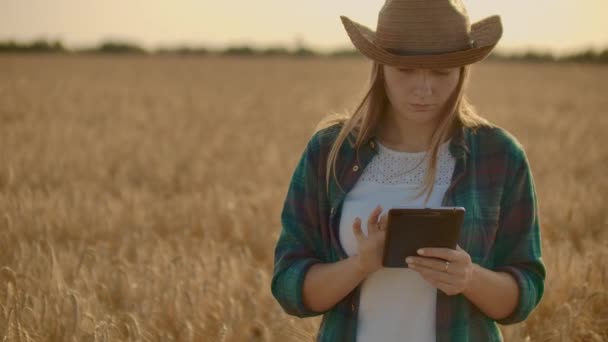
[365, 117]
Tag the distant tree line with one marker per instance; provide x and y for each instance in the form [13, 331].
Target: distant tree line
[121, 47]
[35, 46]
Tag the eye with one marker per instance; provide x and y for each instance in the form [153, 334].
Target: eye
[406, 70]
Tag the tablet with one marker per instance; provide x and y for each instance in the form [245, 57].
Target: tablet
[409, 229]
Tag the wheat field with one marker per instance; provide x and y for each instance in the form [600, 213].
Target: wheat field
[140, 196]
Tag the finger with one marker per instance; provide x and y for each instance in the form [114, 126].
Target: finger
[439, 266]
[443, 253]
[383, 220]
[448, 287]
[372, 220]
[434, 275]
[357, 229]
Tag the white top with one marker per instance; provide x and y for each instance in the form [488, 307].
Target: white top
[396, 304]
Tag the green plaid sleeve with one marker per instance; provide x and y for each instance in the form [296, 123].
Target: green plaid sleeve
[517, 249]
[297, 248]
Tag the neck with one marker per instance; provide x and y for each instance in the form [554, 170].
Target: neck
[401, 134]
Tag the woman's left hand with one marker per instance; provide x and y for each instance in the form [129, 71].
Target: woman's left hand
[451, 277]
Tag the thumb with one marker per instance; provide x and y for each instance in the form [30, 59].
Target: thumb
[357, 229]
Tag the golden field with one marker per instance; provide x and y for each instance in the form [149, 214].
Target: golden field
[140, 197]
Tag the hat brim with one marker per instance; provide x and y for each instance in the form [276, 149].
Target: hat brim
[485, 33]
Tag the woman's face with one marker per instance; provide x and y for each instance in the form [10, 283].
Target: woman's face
[418, 95]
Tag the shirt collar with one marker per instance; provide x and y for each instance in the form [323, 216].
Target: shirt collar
[459, 145]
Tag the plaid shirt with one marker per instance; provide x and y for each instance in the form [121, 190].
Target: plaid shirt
[501, 230]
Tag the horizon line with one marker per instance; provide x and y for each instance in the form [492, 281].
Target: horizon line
[265, 46]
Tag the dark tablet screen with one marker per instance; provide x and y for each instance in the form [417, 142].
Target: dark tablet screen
[409, 229]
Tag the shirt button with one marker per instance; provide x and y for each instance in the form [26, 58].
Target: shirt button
[352, 306]
[356, 168]
[333, 210]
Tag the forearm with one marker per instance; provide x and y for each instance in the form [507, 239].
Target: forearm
[327, 284]
[494, 293]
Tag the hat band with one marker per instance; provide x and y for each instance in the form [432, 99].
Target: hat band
[402, 52]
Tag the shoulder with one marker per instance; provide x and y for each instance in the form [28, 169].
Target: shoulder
[499, 158]
[319, 144]
[323, 138]
[327, 135]
[495, 140]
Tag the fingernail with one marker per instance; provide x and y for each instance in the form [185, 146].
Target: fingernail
[420, 251]
[408, 260]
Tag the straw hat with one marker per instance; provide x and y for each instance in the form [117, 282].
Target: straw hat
[425, 34]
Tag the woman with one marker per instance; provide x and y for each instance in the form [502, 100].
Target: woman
[413, 134]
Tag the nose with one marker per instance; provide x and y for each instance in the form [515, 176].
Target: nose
[422, 84]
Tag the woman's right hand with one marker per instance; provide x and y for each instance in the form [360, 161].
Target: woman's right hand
[370, 248]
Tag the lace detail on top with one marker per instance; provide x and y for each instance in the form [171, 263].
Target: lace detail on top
[391, 167]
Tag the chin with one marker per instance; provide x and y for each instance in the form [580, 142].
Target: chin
[421, 118]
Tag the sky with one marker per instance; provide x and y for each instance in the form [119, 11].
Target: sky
[556, 26]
